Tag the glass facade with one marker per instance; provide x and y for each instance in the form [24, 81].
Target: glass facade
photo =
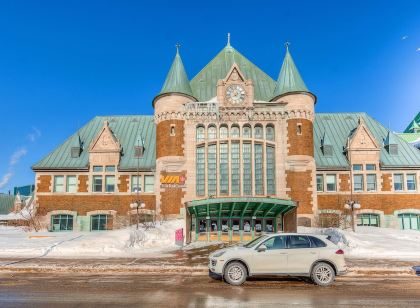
[200, 171]
[247, 168]
[212, 170]
[258, 166]
[224, 168]
[270, 170]
[235, 169]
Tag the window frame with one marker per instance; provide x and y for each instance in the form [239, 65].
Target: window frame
[151, 185]
[401, 175]
[335, 182]
[72, 185]
[368, 183]
[55, 184]
[321, 176]
[414, 183]
[361, 183]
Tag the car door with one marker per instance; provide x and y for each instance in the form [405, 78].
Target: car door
[300, 254]
[274, 259]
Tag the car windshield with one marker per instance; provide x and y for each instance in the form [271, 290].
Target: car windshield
[256, 241]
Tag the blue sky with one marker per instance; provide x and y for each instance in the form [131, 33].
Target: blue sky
[62, 63]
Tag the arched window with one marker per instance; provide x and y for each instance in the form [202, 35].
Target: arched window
[269, 132]
[246, 131]
[258, 131]
[368, 219]
[409, 221]
[62, 222]
[234, 131]
[212, 132]
[200, 133]
[224, 132]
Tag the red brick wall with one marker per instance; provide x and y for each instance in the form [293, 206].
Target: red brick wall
[344, 182]
[290, 221]
[300, 144]
[171, 198]
[300, 189]
[87, 203]
[383, 202]
[83, 183]
[44, 183]
[386, 182]
[167, 145]
[123, 185]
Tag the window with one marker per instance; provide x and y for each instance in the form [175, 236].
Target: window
[398, 182]
[358, 182]
[299, 129]
[258, 131]
[110, 183]
[97, 183]
[371, 182]
[370, 167]
[199, 134]
[135, 183]
[299, 241]
[271, 170]
[224, 168]
[149, 183]
[331, 182]
[224, 132]
[246, 168]
[200, 171]
[234, 131]
[358, 167]
[109, 168]
[59, 183]
[100, 222]
[246, 131]
[368, 219]
[172, 130]
[71, 185]
[411, 182]
[97, 168]
[212, 132]
[269, 132]
[235, 168]
[319, 182]
[212, 170]
[409, 221]
[316, 242]
[62, 222]
[258, 166]
[276, 242]
[269, 226]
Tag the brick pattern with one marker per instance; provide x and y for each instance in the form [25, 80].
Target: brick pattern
[386, 182]
[382, 202]
[171, 198]
[86, 203]
[83, 183]
[300, 144]
[167, 145]
[44, 183]
[290, 221]
[344, 182]
[123, 185]
[300, 186]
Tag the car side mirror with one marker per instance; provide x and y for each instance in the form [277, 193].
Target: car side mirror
[262, 248]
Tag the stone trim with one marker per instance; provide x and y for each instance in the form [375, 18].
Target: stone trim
[407, 211]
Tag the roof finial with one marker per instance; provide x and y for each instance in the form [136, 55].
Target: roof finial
[177, 46]
[228, 40]
[287, 44]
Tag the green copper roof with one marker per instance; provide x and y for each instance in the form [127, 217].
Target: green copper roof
[413, 124]
[289, 78]
[325, 139]
[340, 125]
[6, 204]
[410, 137]
[204, 83]
[125, 128]
[177, 79]
[390, 139]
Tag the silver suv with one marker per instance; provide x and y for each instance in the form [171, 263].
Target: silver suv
[286, 254]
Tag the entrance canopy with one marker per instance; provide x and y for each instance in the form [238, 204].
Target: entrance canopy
[239, 207]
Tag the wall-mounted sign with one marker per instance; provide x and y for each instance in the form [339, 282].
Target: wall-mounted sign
[172, 181]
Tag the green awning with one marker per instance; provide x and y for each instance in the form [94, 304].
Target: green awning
[239, 207]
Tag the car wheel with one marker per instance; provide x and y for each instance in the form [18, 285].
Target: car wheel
[323, 274]
[235, 273]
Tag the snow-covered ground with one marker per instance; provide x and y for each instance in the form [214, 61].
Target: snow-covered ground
[15, 242]
[374, 243]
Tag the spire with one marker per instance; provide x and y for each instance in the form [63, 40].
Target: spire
[228, 40]
[390, 139]
[289, 78]
[177, 79]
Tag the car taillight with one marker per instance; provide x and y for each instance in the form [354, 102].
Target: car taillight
[339, 252]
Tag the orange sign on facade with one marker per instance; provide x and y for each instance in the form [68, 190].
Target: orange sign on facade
[172, 181]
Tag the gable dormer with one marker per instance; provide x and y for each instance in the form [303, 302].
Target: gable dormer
[234, 90]
[105, 149]
[362, 146]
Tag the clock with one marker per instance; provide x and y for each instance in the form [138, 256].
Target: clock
[235, 94]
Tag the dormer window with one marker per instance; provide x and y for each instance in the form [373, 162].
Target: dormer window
[392, 149]
[75, 152]
[138, 151]
[327, 150]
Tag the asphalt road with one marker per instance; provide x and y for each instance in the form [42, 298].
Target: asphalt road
[182, 290]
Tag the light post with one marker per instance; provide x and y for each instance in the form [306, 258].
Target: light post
[352, 205]
[136, 205]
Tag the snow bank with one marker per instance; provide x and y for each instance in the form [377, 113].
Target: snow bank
[374, 243]
[15, 242]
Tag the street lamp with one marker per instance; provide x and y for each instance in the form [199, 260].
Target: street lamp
[352, 205]
[136, 205]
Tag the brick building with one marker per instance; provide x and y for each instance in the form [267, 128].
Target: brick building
[233, 152]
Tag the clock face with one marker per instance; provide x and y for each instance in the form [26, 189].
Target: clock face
[235, 94]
